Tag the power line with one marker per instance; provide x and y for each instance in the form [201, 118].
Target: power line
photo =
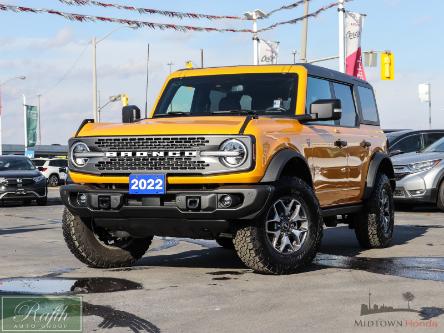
[150, 11]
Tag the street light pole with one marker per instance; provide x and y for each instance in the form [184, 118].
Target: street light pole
[341, 11]
[430, 106]
[254, 16]
[304, 36]
[1, 106]
[40, 123]
[94, 73]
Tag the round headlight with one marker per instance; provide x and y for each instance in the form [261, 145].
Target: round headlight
[77, 149]
[238, 150]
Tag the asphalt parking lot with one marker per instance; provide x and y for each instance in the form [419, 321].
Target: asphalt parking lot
[184, 285]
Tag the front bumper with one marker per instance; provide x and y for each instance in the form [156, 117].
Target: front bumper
[416, 188]
[169, 214]
[37, 191]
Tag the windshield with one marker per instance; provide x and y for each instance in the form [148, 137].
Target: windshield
[438, 146]
[15, 163]
[227, 94]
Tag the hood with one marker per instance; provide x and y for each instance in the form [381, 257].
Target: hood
[408, 158]
[168, 126]
[20, 173]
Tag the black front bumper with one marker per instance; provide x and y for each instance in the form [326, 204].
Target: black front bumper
[167, 215]
[13, 193]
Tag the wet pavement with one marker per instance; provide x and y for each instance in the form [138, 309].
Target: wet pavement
[184, 285]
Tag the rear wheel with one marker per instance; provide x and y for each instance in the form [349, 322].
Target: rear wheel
[97, 247]
[375, 224]
[53, 180]
[441, 197]
[287, 235]
[226, 243]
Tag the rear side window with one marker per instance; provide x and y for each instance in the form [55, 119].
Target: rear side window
[318, 89]
[430, 138]
[368, 105]
[344, 93]
[39, 163]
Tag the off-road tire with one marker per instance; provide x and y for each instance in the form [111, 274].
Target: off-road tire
[440, 202]
[86, 247]
[226, 243]
[53, 180]
[42, 201]
[256, 251]
[369, 227]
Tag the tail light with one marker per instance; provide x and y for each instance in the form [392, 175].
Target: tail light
[42, 169]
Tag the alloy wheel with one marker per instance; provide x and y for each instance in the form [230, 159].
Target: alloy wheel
[287, 225]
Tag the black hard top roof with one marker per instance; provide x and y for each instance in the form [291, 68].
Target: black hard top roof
[313, 70]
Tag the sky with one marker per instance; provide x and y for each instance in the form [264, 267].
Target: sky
[56, 56]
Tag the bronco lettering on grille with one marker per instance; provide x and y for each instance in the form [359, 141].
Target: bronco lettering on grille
[151, 153]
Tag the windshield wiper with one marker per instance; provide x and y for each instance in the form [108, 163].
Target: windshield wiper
[237, 111]
[172, 114]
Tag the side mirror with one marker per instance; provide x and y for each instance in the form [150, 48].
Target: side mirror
[395, 152]
[326, 109]
[130, 114]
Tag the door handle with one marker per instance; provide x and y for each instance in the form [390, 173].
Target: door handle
[365, 144]
[341, 143]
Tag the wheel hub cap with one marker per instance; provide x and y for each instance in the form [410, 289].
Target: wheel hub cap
[287, 225]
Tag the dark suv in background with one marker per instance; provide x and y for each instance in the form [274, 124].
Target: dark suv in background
[408, 141]
[21, 181]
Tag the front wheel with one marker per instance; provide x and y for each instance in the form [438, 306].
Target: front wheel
[99, 248]
[287, 235]
[375, 224]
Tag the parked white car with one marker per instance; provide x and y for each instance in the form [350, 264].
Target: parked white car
[54, 169]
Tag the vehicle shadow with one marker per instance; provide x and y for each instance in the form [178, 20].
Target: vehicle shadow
[14, 204]
[420, 208]
[339, 241]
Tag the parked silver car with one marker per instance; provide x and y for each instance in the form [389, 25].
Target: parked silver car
[420, 175]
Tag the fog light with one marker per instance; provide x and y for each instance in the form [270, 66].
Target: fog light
[226, 201]
[81, 199]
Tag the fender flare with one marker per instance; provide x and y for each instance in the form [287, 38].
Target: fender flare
[377, 160]
[278, 163]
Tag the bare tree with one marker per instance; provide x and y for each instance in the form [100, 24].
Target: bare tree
[408, 296]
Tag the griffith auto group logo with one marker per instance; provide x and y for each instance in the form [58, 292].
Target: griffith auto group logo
[427, 315]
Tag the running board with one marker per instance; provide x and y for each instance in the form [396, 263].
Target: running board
[342, 210]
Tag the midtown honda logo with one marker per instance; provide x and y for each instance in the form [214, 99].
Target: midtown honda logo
[187, 153]
[427, 315]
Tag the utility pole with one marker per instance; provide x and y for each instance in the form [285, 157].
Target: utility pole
[304, 36]
[171, 66]
[294, 53]
[147, 79]
[25, 124]
[341, 11]
[40, 123]
[94, 73]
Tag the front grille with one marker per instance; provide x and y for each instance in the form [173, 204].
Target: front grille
[181, 154]
[151, 163]
[151, 143]
[24, 181]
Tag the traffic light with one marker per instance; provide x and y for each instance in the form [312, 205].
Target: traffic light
[387, 66]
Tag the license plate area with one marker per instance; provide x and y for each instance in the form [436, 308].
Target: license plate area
[147, 184]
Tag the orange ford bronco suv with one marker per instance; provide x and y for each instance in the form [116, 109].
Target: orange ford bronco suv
[258, 158]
